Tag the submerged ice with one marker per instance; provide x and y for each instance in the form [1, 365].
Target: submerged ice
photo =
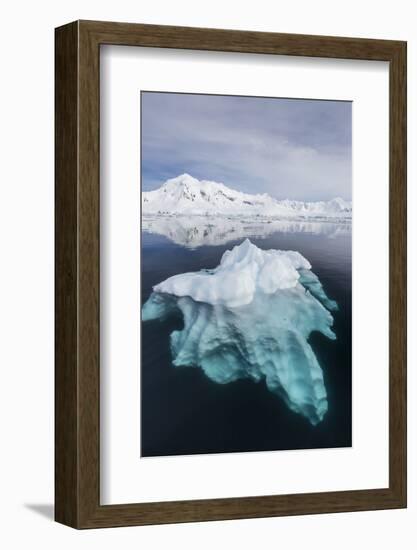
[251, 317]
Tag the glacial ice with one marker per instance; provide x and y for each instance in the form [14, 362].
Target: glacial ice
[185, 195]
[242, 272]
[251, 317]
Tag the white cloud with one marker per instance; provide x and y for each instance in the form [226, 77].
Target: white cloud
[290, 149]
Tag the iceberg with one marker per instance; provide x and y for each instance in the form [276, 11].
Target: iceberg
[242, 272]
[251, 317]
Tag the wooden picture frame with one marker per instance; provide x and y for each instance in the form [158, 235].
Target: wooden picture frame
[77, 382]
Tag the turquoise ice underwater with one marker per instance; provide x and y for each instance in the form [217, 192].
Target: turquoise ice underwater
[251, 317]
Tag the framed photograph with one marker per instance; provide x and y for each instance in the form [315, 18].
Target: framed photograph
[230, 274]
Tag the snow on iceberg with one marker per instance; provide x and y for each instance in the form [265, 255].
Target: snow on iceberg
[259, 331]
[243, 271]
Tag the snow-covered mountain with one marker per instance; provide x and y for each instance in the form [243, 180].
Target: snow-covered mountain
[188, 196]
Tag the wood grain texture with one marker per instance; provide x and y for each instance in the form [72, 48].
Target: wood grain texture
[66, 237]
[398, 273]
[78, 284]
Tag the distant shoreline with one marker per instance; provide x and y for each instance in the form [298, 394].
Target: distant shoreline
[252, 219]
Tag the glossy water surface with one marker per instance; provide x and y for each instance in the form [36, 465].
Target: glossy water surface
[182, 410]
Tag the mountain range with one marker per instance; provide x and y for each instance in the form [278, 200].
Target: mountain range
[188, 196]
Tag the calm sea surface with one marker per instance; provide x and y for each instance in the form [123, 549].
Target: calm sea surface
[184, 412]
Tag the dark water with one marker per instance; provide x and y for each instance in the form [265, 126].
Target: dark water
[184, 412]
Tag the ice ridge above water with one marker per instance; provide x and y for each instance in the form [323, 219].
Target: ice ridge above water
[251, 317]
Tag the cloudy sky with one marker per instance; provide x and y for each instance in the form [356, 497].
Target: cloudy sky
[296, 149]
